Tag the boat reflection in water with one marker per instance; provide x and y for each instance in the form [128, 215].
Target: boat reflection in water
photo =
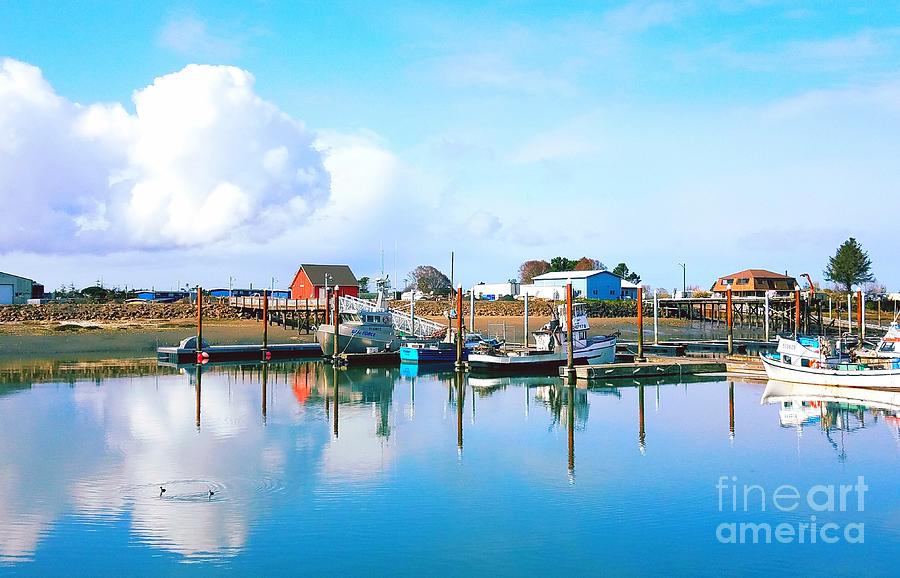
[831, 409]
[266, 462]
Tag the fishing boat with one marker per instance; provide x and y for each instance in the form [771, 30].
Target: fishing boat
[888, 346]
[443, 351]
[550, 352]
[360, 332]
[821, 361]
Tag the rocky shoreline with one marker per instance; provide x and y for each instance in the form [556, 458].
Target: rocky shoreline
[216, 309]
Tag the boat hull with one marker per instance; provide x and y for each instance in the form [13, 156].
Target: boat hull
[355, 339]
[595, 353]
[430, 354]
[871, 379]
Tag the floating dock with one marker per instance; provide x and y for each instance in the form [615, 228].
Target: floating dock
[655, 368]
[218, 353]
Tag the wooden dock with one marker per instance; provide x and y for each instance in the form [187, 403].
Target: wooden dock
[654, 368]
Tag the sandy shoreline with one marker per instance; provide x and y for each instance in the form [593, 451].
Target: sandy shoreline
[140, 339]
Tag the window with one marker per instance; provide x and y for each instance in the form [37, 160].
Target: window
[743, 281]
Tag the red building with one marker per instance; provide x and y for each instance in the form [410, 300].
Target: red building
[310, 281]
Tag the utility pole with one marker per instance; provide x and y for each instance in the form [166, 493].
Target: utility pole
[683, 278]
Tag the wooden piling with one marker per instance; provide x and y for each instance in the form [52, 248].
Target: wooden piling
[459, 329]
[199, 322]
[729, 320]
[849, 315]
[570, 340]
[336, 323]
[859, 314]
[472, 309]
[656, 317]
[640, 324]
[265, 322]
[525, 337]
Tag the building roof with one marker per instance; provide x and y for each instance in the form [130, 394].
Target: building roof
[339, 274]
[754, 281]
[757, 274]
[564, 275]
[629, 285]
[16, 276]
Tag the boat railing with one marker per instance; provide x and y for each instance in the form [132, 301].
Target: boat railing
[420, 327]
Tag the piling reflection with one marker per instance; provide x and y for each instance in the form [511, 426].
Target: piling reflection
[265, 396]
[460, 382]
[198, 380]
[731, 410]
[570, 427]
[336, 378]
[642, 435]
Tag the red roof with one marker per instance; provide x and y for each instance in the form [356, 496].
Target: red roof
[756, 274]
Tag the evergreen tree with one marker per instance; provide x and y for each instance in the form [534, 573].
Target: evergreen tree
[622, 271]
[850, 265]
[558, 264]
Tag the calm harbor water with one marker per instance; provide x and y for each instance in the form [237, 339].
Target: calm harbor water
[390, 472]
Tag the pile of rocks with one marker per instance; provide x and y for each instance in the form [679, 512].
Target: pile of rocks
[112, 312]
[536, 307]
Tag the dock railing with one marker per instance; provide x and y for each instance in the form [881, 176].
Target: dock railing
[422, 327]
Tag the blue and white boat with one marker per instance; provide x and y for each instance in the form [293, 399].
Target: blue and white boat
[444, 351]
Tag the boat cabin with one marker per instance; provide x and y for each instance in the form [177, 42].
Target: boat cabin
[369, 317]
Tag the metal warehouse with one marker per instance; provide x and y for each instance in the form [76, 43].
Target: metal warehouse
[14, 289]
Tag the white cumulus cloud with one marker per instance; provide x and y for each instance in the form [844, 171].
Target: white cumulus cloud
[201, 159]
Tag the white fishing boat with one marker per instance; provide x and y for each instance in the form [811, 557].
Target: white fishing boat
[550, 352]
[360, 332]
[819, 361]
[364, 330]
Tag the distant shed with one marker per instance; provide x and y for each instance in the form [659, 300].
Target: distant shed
[15, 290]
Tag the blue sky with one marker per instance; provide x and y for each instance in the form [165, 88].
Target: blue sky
[724, 134]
